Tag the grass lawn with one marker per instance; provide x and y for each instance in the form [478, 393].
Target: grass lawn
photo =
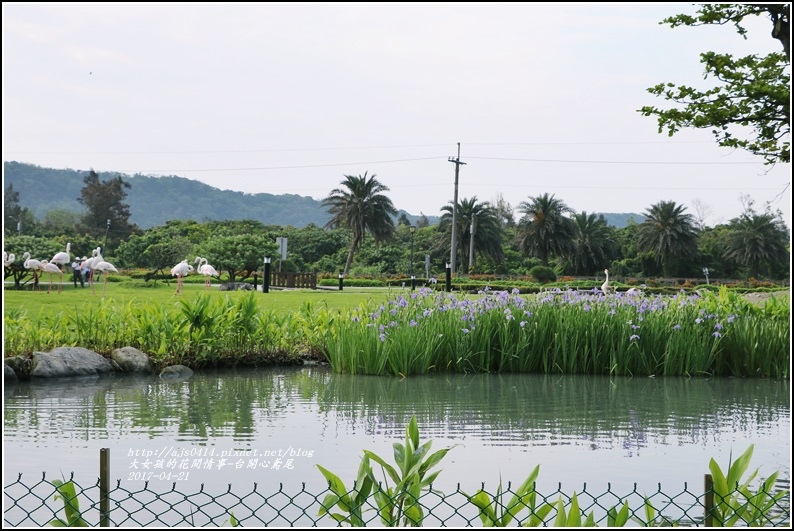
[121, 294]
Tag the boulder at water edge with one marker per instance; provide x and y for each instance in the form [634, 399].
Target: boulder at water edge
[69, 361]
[132, 360]
[176, 372]
[9, 374]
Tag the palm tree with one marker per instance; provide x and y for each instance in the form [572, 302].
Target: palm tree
[594, 243]
[544, 230]
[361, 207]
[488, 232]
[668, 233]
[757, 239]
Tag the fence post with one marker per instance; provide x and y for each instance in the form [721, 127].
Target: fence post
[708, 503]
[104, 487]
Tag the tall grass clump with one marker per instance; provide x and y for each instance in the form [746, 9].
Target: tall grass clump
[564, 332]
[198, 331]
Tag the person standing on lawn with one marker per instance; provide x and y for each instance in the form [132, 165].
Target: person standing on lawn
[77, 273]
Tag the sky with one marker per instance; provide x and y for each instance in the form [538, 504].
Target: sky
[289, 98]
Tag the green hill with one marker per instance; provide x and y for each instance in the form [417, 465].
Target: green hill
[155, 200]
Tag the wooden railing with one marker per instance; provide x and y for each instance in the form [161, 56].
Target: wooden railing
[293, 280]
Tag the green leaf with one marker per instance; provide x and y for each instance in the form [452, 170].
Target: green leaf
[718, 479]
[328, 503]
[561, 520]
[412, 432]
[618, 519]
[539, 516]
[434, 459]
[387, 467]
[71, 508]
[737, 470]
[414, 514]
[386, 506]
[574, 514]
[520, 497]
[483, 503]
[338, 488]
[399, 456]
[430, 479]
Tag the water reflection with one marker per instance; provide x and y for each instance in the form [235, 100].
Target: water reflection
[579, 428]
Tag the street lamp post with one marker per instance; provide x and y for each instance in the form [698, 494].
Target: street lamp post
[471, 245]
[266, 276]
[413, 278]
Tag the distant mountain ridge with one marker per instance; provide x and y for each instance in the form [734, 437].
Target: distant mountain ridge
[155, 200]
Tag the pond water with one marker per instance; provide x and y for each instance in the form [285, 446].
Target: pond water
[272, 426]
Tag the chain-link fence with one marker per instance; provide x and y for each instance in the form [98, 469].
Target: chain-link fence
[41, 502]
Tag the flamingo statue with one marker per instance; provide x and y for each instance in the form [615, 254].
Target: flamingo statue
[51, 268]
[35, 265]
[181, 270]
[605, 287]
[207, 270]
[89, 264]
[8, 259]
[62, 258]
[103, 267]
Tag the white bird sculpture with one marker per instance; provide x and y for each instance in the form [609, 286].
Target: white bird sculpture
[181, 270]
[35, 265]
[8, 259]
[207, 270]
[104, 267]
[62, 258]
[634, 292]
[51, 268]
[605, 287]
[89, 264]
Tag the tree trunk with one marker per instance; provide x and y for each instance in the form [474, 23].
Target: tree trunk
[350, 256]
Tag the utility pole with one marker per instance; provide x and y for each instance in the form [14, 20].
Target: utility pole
[454, 251]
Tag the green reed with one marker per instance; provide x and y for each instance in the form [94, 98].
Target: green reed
[564, 332]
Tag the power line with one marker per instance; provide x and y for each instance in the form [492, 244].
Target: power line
[614, 161]
[282, 150]
[264, 168]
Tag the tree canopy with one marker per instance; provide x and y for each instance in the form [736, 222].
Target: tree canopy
[362, 208]
[669, 233]
[106, 207]
[749, 108]
[544, 230]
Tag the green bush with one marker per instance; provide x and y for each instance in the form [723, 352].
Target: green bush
[543, 274]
